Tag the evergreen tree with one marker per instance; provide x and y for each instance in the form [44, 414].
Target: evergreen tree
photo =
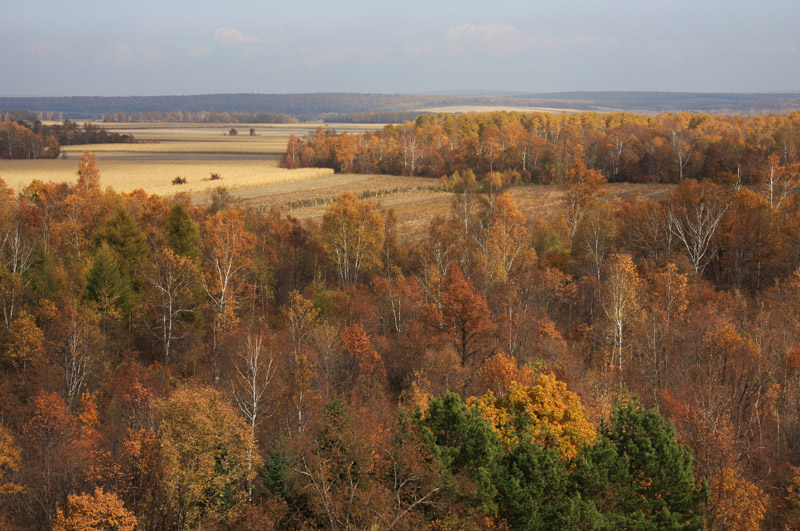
[183, 235]
[534, 489]
[126, 239]
[465, 444]
[105, 284]
[639, 476]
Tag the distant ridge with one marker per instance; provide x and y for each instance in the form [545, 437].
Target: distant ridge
[318, 105]
[680, 101]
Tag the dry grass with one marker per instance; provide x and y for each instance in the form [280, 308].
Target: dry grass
[155, 177]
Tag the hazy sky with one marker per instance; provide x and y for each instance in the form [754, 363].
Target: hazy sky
[144, 47]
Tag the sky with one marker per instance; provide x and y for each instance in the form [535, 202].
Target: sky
[147, 48]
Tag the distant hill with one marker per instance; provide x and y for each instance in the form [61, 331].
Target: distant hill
[321, 105]
[713, 102]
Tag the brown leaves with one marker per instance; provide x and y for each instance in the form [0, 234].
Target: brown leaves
[462, 313]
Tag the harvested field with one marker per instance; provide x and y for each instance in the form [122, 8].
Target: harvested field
[269, 139]
[164, 151]
[415, 200]
[155, 177]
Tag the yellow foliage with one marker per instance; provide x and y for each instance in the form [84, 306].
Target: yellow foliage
[739, 504]
[353, 233]
[25, 341]
[546, 412]
[9, 461]
[206, 449]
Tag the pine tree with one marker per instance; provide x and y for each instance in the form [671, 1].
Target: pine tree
[105, 284]
[183, 234]
[640, 477]
[126, 239]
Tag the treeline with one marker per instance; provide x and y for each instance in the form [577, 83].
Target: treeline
[19, 142]
[538, 147]
[262, 117]
[385, 117]
[34, 140]
[202, 117]
[171, 365]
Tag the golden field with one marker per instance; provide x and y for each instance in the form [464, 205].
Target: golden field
[269, 139]
[155, 177]
[164, 151]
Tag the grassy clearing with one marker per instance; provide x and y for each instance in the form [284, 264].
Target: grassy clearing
[155, 177]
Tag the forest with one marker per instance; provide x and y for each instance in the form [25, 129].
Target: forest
[621, 364]
[540, 147]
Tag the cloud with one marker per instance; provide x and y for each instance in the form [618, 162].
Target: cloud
[201, 51]
[45, 49]
[234, 37]
[124, 54]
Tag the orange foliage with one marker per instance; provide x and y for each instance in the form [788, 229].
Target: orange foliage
[99, 511]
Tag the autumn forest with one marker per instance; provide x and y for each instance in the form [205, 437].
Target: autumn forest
[620, 363]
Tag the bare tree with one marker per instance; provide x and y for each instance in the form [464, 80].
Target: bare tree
[694, 216]
[172, 280]
[780, 181]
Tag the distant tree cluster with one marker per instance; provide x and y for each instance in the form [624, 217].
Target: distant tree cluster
[71, 133]
[539, 148]
[615, 365]
[26, 140]
[201, 117]
[19, 142]
[385, 117]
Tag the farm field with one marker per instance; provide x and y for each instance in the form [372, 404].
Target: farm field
[187, 138]
[249, 169]
[415, 200]
[155, 176]
[164, 151]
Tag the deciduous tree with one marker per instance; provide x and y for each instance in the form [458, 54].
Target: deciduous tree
[353, 234]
